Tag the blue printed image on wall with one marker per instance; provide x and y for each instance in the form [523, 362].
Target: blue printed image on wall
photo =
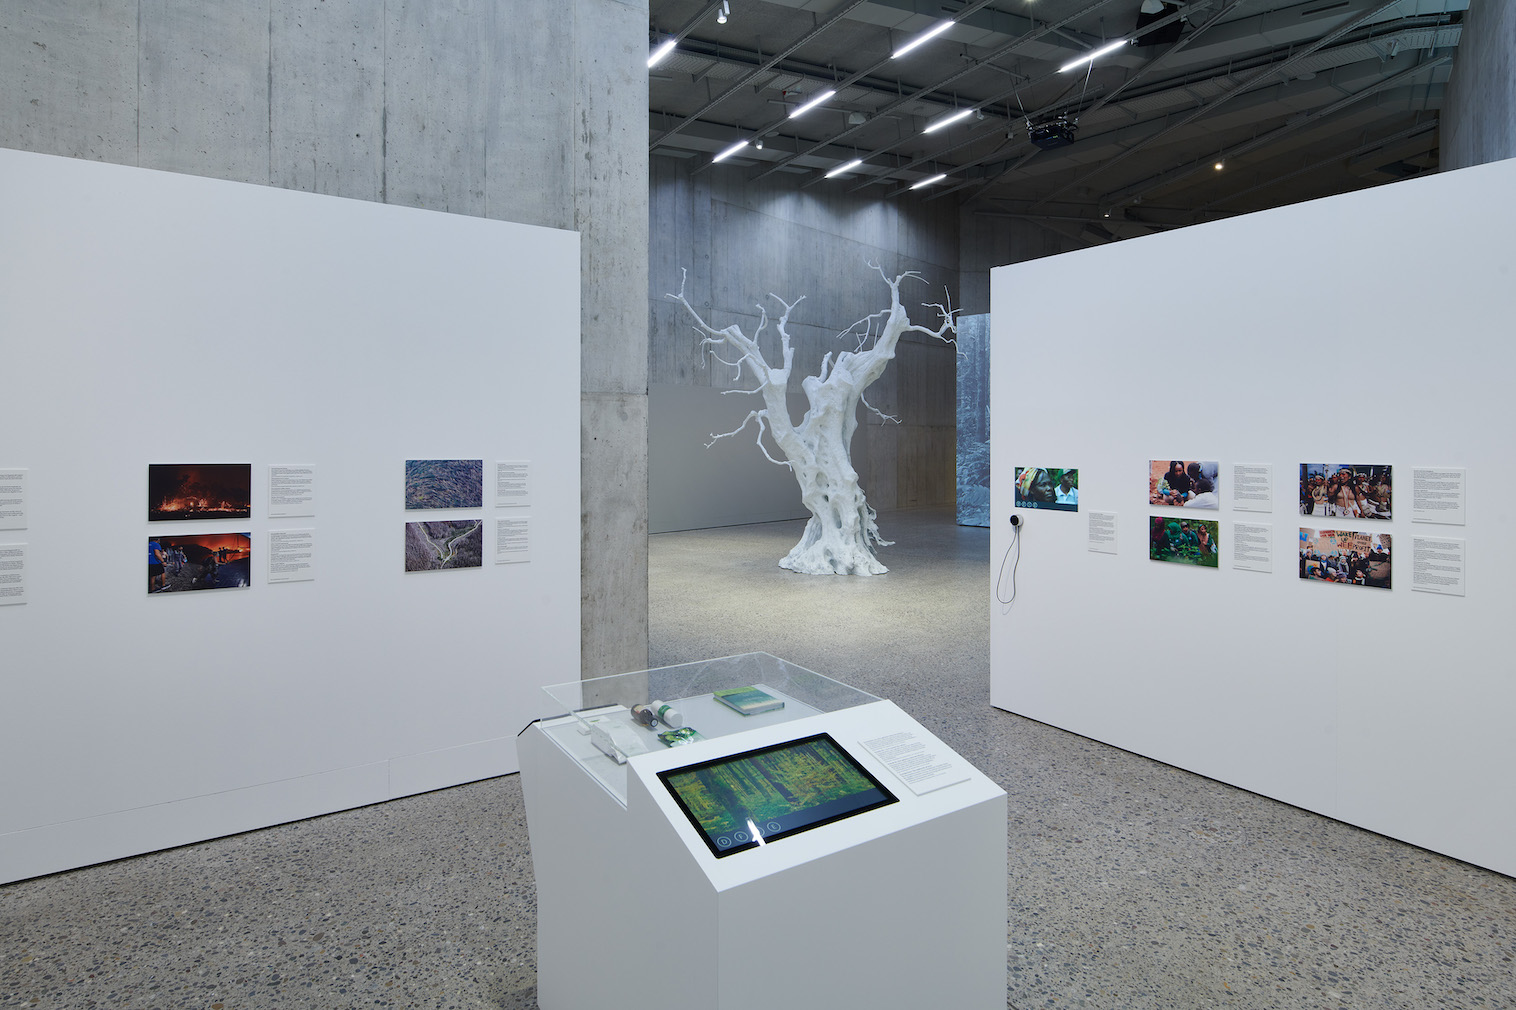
[973, 341]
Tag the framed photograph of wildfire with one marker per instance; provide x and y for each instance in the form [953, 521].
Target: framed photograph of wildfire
[179, 491]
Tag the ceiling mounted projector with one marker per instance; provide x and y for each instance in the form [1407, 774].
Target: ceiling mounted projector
[1057, 132]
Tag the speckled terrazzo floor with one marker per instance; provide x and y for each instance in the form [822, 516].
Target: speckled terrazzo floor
[1132, 884]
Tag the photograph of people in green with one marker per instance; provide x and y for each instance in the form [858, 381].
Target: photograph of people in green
[1039, 487]
[1184, 541]
[775, 791]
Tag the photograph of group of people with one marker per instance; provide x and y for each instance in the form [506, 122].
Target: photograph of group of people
[1345, 490]
[1184, 541]
[1040, 487]
[210, 561]
[1184, 483]
[1347, 556]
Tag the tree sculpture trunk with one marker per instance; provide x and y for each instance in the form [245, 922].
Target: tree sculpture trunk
[841, 535]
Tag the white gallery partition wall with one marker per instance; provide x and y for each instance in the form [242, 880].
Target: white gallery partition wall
[148, 318]
[1371, 329]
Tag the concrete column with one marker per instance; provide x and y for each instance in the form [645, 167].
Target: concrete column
[1479, 117]
[610, 208]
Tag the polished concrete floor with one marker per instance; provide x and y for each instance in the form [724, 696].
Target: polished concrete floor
[1132, 884]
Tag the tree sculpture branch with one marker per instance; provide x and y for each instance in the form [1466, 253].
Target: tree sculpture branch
[841, 534]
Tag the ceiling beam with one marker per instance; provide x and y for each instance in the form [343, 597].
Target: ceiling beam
[1136, 192]
[1208, 107]
[1005, 50]
[847, 8]
[1420, 128]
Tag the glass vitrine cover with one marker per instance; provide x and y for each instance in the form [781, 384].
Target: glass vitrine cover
[603, 722]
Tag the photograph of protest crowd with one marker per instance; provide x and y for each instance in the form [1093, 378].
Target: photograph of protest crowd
[1184, 541]
[1358, 559]
[1047, 488]
[1184, 483]
[1345, 490]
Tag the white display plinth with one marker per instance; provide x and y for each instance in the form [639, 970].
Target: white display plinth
[902, 906]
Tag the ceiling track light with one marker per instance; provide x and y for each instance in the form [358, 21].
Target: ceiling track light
[729, 151]
[843, 169]
[930, 33]
[1090, 57]
[821, 98]
[726, 9]
[927, 182]
[949, 120]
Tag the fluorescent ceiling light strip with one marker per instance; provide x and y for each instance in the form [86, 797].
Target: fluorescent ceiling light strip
[930, 33]
[845, 168]
[808, 106]
[949, 120]
[659, 53]
[928, 182]
[1090, 57]
[729, 151]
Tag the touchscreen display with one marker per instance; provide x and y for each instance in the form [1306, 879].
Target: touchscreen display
[749, 799]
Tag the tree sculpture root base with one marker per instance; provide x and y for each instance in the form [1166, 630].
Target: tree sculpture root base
[823, 550]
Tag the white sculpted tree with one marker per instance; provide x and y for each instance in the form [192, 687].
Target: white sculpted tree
[839, 539]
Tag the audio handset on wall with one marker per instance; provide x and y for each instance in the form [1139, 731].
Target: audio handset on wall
[1015, 546]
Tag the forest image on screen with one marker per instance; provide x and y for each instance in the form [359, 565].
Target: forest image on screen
[763, 787]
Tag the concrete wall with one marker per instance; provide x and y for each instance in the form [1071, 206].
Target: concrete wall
[991, 240]
[533, 111]
[742, 241]
[1479, 119]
